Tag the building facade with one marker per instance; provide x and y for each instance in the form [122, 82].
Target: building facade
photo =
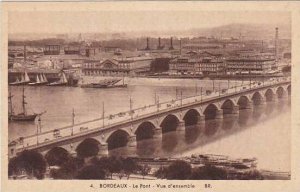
[117, 67]
[250, 65]
[105, 68]
[205, 66]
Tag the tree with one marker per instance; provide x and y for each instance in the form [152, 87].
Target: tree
[13, 166]
[68, 170]
[115, 165]
[129, 166]
[32, 162]
[161, 173]
[209, 172]
[144, 169]
[91, 172]
[87, 148]
[179, 170]
[251, 175]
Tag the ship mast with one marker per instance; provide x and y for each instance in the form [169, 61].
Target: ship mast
[123, 78]
[10, 103]
[23, 102]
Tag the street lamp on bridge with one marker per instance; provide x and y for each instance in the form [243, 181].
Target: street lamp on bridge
[201, 93]
[73, 122]
[181, 98]
[103, 114]
[38, 127]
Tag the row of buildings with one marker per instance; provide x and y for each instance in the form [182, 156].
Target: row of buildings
[123, 66]
[214, 64]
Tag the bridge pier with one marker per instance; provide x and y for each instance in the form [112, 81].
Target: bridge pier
[181, 126]
[132, 141]
[103, 149]
[263, 101]
[157, 132]
[275, 98]
[201, 120]
[284, 96]
[236, 110]
[219, 114]
[249, 105]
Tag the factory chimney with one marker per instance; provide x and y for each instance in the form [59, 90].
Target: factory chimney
[180, 46]
[276, 44]
[159, 47]
[25, 53]
[171, 44]
[159, 42]
[147, 47]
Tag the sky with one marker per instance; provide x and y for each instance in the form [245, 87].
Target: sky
[133, 21]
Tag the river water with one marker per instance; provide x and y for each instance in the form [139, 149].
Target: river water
[263, 133]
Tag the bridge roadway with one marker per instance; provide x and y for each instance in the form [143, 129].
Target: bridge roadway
[101, 130]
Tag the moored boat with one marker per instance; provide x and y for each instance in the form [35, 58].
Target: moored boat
[61, 82]
[24, 80]
[40, 80]
[106, 83]
[24, 115]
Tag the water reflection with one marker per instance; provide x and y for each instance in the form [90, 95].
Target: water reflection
[192, 133]
[197, 136]
[212, 126]
[170, 141]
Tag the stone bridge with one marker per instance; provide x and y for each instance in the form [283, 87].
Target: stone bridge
[153, 121]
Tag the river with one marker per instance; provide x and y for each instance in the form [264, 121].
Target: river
[263, 133]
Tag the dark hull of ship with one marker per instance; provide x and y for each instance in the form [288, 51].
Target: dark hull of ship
[102, 86]
[57, 84]
[19, 83]
[23, 117]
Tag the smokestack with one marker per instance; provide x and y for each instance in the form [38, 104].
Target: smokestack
[171, 44]
[276, 44]
[159, 42]
[262, 46]
[147, 48]
[25, 53]
[180, 46]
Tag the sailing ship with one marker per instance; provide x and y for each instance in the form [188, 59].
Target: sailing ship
[24, 80]
[61, 82]
[23, 116]
[40, 80]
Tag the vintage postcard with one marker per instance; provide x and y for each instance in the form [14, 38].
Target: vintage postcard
[150, 96]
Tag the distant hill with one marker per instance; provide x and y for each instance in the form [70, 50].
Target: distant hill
[248, 31]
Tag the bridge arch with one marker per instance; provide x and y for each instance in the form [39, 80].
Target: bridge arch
[118, 138]
[169, 123]
[269, 94]
[57, 156]
[191, 117]
[257, 98]
[88, 147]
[243, 102]
[210, 111]
[145, 131]
[228, 106]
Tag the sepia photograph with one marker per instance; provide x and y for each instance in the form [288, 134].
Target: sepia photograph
[148, 94]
